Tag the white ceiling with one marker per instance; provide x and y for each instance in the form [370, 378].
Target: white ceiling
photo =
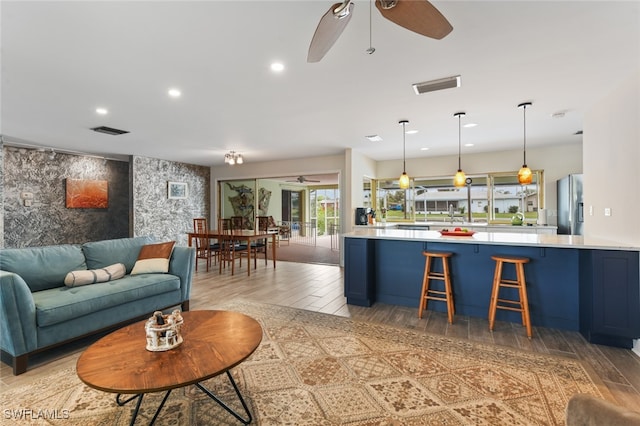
[61, 60]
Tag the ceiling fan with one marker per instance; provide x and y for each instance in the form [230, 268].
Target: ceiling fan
[302, 179]
[419, 16]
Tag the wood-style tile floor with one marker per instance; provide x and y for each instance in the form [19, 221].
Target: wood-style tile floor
[320, 288]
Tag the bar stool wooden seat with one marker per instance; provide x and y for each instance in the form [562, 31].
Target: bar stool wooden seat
[444, 295]
[522, 303]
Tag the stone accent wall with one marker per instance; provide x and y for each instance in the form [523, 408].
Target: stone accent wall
[1, 193]
[47, 221]
[157, 215]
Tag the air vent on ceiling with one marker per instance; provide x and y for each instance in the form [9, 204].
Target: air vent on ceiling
[109, 130]
[433, 85]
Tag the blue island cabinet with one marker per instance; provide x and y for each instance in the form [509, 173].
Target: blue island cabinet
[610, 297]
[595, 292]
[359, 277]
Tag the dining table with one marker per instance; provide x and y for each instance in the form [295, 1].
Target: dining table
[241, 235]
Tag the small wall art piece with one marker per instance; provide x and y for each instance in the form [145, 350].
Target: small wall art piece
[177, 190]
[87, 194]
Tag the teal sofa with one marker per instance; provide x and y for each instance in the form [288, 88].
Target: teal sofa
[38, 311]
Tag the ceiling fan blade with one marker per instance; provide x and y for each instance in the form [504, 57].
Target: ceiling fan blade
[329, 29]
[418, 16]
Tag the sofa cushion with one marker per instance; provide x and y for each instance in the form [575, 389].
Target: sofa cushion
[43, 268]
[100, 254]
[154, 258]
[92, 276]
[66, 303]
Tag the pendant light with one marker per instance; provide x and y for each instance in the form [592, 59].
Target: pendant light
[404, 178]
[525, 176]
[459, 180]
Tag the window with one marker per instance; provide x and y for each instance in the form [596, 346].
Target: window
[493, 197]
[397, 202]
[325, 209]
[437, 199]
[509, 197]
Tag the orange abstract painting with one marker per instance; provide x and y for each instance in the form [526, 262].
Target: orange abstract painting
[87, 194]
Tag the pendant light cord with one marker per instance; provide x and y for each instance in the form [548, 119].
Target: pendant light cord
[524, 106]
[459, 141]
[404, 143]
[524, 127]
[370, 13]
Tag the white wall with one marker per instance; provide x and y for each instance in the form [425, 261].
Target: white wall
[612, 164]
[361, 166]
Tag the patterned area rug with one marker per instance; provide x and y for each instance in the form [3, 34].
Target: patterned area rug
[317, 369]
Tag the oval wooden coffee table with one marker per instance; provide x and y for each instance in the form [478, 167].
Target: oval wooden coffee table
[214, 342]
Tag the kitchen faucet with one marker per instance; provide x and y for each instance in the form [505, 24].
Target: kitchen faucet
[452, 217]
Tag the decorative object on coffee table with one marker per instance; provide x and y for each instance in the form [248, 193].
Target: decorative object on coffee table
[163, 331]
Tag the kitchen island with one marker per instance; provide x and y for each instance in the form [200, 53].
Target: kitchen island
[573, 282]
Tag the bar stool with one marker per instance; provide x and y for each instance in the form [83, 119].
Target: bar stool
[427, 293]
[522, 304]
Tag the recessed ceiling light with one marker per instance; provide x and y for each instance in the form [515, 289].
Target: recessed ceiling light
[424, 149]
[411, 132]
[277, 67]
[102, 111]
[470, 125]
[174, 93]
[468, 144]
[374, 138]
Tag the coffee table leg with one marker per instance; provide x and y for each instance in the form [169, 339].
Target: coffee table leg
[135, 412]
[225, 406]
[137, 409]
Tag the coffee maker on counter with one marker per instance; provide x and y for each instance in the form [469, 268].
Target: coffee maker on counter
[361, 216]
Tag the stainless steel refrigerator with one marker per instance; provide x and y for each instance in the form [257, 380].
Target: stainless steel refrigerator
[570, 205]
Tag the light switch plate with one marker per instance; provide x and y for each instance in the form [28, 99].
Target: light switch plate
[607, 211]
[26, 195]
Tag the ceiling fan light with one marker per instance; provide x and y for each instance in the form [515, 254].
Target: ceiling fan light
[404, 181]
[459, 180]
[525, 176]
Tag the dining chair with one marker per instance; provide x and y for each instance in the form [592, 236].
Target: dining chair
[241, 222]
[260, 246]
[238, 222]
[230, 249]
[284, 230]
[204, 248]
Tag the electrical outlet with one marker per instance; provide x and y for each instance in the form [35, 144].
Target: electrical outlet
[607, 211]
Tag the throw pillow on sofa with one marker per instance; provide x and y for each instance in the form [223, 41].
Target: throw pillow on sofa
[91, 276]
[154, 258]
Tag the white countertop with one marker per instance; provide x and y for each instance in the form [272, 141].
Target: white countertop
[497, 238]
[390, 225]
